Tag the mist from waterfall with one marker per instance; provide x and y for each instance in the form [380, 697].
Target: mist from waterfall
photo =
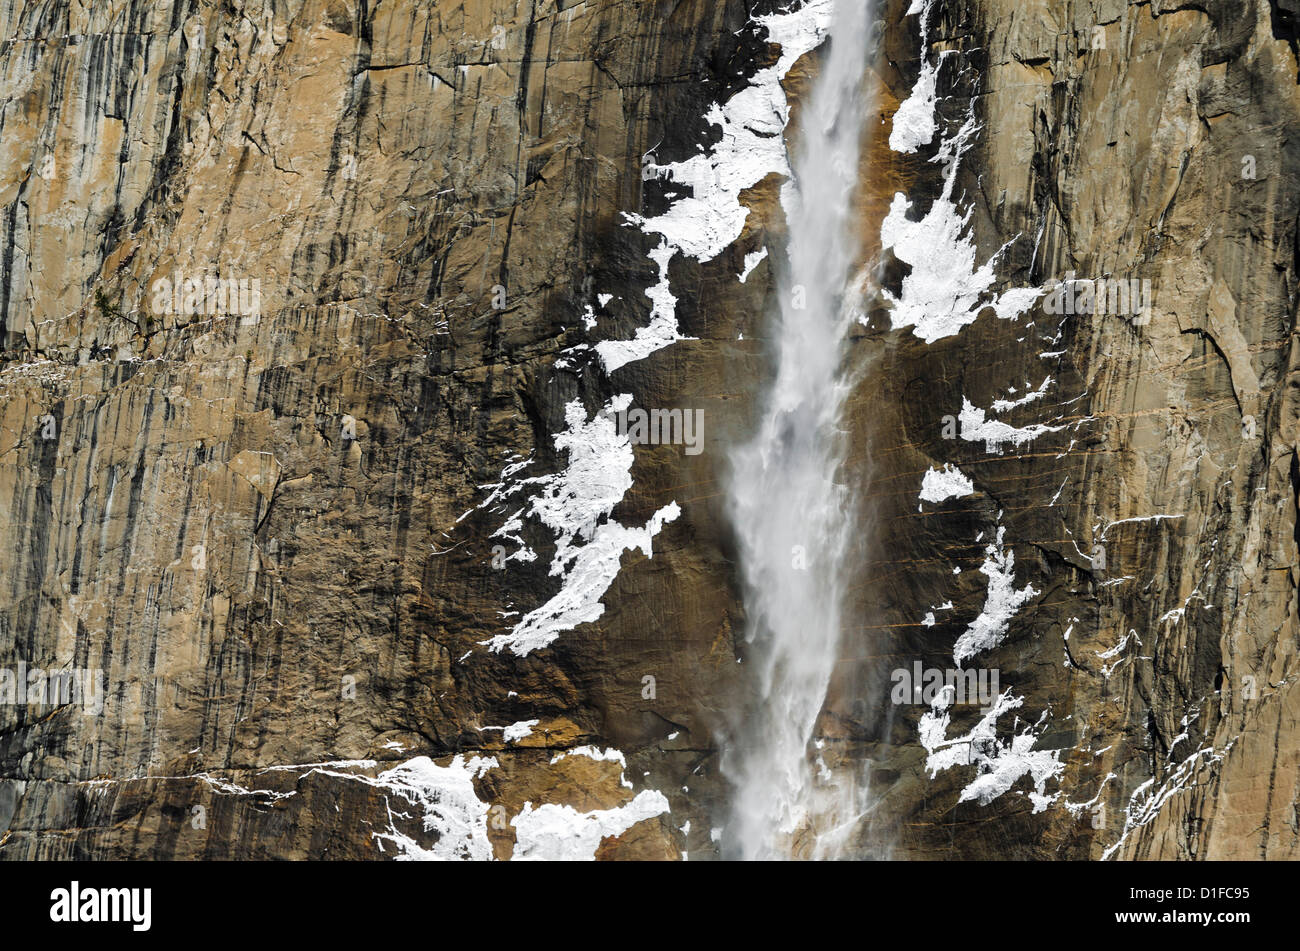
[794, 523]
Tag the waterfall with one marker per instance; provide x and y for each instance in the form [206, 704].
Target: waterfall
[794, 523]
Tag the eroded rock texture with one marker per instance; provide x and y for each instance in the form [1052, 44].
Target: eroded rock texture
[283, 533]
[1158, 523]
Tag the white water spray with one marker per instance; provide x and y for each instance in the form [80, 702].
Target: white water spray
[794, 523]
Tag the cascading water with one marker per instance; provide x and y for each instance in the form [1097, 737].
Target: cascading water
[794, 523]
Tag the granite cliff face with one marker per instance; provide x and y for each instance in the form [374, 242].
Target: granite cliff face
[318, 317]
[1155, 517]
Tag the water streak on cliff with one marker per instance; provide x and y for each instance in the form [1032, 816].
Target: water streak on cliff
[794, 522]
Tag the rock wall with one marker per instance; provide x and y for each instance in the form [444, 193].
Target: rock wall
[368, 575]
[1146, 478]
[249, 517]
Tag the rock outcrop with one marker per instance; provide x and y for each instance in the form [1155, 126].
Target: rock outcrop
[310, 311]
[1146, 478]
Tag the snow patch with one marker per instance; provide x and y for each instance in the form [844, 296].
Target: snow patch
[944, 290]
[450, 806]
[999, 764]
[751, 146]
[552, 833]
[572, 504]
[752, 261]
[995, 433]
[1001, 602]
[1001, 406]
[591, 752]
[938, 485]
[914, 121]
[610, 755]
[518, 731]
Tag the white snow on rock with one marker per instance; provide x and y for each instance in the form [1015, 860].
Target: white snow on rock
[518, 731]
[938, 485]
[751, 147]
[610, 755]
[999, 763]
[944, 290]
[752, 260]
[914, 121]
[515, 732]
[552, 833]
[1079, 809]
[1115, 652]
[1001, 602]
[450, 807]
[572, 504]
[228, 788]
[929, 619]
[976, 427]
[1138, 518]
[1148, 799]
[508, 486]
[1001, 406]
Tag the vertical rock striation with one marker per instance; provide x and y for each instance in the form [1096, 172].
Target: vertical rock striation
[317, 317]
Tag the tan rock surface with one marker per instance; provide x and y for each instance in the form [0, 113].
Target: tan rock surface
[252, 522]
